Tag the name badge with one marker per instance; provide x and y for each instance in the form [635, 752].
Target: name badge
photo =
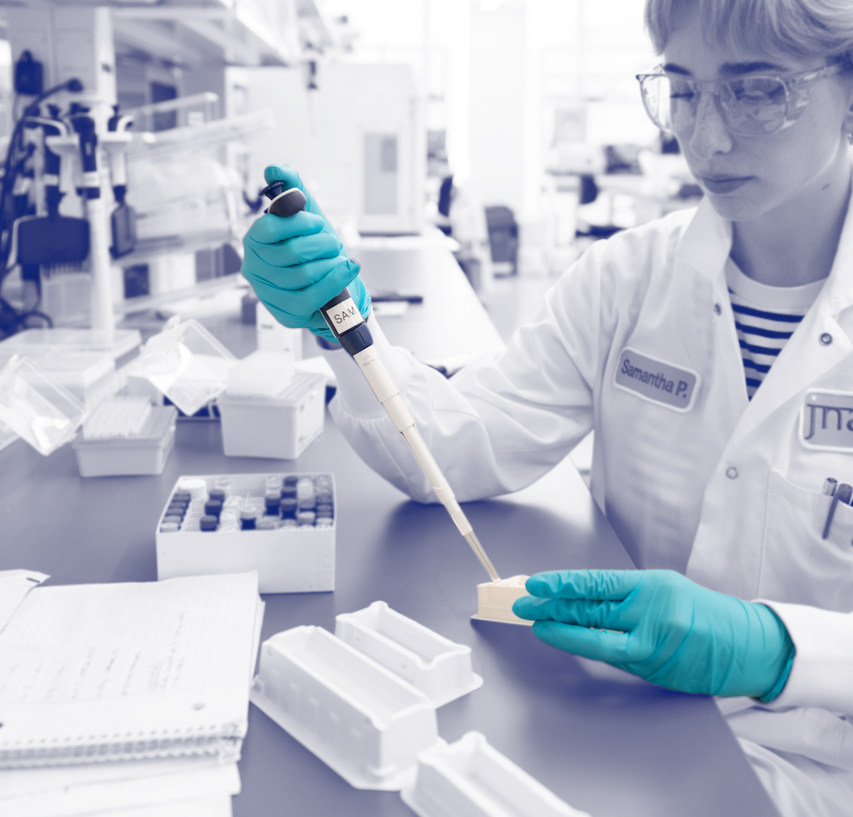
[656, 380]
[826, 421]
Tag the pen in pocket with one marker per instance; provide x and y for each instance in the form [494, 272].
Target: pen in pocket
[841, 494]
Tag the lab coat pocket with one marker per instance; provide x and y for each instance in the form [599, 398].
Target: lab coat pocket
[798, 565]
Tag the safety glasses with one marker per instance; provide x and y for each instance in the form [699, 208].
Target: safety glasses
[757, 105]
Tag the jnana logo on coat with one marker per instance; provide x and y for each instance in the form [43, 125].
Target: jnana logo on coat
[826, 420]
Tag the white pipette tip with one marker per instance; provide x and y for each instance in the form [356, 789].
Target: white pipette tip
[481, 555]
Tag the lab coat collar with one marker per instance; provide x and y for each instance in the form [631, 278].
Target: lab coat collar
[707, 242]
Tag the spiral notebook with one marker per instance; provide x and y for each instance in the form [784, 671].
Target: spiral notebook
[128, 671]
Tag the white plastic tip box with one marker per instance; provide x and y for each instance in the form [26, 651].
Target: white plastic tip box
[139, 454]
[435, 665]
[495, 600]
[280, 426]
[470, 778]
[359, 718]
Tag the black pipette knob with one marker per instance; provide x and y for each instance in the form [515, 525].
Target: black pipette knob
[284, 202]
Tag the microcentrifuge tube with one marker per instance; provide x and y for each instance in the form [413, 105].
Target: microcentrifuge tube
[272, 499]
[267, 523]
[248, 518]
[208, 523]
[288, 507]
[213, 507]
[217, 493]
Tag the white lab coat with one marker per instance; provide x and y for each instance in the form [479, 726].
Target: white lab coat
[706, 483]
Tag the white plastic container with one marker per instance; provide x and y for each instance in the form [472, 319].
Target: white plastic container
[297, 560]
[186, 364]
[356, 716]
[142, 454]
[470, 778]
[495, 599]
[437, 666]
[37, 408]
[279, 427]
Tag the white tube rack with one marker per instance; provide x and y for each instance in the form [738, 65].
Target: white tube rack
[495, 600]
[437, 666]
[358, 717]
[470, 778]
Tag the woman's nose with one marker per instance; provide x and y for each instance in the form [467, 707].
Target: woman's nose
[710, 134]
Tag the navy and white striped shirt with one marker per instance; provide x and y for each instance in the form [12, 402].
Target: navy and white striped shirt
[765, 317]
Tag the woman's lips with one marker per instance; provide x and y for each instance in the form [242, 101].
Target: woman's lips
[721, 185]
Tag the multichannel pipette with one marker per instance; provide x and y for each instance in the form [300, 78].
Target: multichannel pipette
[349, 328]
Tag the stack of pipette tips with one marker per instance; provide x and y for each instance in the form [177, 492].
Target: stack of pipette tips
[117, 417]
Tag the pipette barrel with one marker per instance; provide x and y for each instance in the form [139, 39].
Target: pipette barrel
[346, 323]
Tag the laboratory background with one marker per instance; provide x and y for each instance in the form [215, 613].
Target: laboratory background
[210, 605]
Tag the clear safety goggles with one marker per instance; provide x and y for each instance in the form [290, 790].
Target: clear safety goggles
[757, 105]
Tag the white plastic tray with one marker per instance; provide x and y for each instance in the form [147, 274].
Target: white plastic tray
[356, 716]
[495, 599]
[437, 666]
[470, 778]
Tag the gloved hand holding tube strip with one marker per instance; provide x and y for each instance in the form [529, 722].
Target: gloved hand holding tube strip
[663, 627]
[298, 264]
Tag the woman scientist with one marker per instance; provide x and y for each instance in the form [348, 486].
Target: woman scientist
[712, 352]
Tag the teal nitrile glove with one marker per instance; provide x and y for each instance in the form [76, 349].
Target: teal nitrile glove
[297, 264]
[674, 633]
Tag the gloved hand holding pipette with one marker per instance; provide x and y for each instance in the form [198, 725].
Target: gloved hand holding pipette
[663, 627]
[297, 264]
[300, 270]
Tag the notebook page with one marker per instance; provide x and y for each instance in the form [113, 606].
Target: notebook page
[115, 671]
[14, 585]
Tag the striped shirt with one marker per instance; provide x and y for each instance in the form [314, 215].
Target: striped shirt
[765, 317]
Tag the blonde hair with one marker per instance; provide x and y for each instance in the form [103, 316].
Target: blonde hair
[778, 28]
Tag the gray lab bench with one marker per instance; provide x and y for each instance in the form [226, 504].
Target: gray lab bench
[605, 742]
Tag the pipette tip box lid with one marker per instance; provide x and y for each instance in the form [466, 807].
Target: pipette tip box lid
[495, 599]
[359, 718]
[298, 559]
[470, 778]
[142, 454]
[35, 407]
[186, 364]
[437, 666]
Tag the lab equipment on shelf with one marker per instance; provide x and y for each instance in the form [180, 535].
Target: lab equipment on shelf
[470, 778]
[495, 599]
[437, 666]
[358, 717]
[282, 525]
[125, 436]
